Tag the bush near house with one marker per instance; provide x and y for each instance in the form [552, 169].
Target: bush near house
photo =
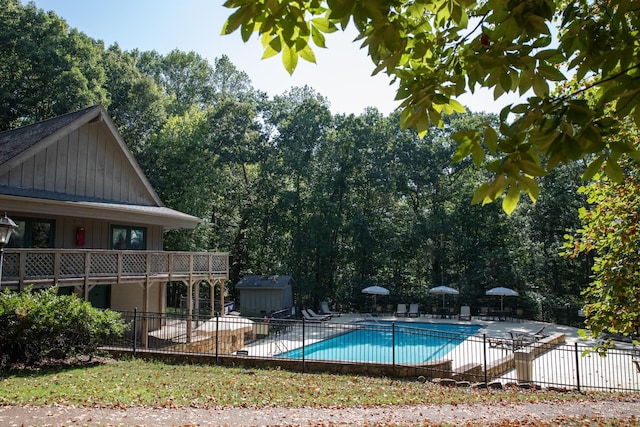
[42, 325]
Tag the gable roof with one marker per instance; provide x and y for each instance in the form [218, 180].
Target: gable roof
[16, 141]
[20, 145]
[265, 282]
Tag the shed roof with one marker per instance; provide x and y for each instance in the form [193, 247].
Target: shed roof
[265, 282]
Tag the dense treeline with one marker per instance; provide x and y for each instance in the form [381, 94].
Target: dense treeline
[338, 201]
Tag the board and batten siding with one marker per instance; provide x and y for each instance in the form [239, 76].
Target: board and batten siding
[97, 232]
[85, 163]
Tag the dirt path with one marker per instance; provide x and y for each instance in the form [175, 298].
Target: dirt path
[528, 414]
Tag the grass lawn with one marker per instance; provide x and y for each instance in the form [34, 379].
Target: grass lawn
[137, 382]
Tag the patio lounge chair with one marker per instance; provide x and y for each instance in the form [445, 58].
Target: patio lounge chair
[521, 339]
[413, 310]
[465, 313]
[539, 334]
[402, 310]
[309, 318]
[499, 343]
[324, 309]
[318, 316]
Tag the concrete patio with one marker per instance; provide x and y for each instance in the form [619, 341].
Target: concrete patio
[560, 363]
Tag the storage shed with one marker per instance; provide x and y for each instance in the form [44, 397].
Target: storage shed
[261, 295]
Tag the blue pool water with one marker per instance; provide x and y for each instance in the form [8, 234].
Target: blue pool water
[377, 342]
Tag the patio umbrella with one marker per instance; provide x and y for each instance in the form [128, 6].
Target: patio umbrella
[502, 292]
[443, 290]
[375, 291]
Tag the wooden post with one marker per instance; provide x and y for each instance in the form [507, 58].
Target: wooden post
[221, 297]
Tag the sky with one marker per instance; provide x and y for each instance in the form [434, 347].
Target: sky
[342, 73]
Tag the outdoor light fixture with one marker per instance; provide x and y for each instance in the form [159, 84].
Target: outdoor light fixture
[6, 229]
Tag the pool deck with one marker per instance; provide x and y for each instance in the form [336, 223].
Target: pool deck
[555, 366]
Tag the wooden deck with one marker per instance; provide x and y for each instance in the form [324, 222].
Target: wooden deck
[82, 267]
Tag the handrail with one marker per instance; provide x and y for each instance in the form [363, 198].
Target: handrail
[72, 267]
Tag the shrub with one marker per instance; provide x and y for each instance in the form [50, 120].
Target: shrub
[42, 325]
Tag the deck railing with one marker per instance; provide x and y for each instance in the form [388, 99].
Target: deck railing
[395, 346]
[72, 267]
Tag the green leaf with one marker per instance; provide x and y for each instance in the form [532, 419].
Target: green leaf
[578, 111]
[477, 155]
[530, 187]
[540, 86]
[238, 18]
[510, 202]
[498, 186]
[531, 168]
[324, 25]
[340, 8]
[552, 55]
[491, 139]
[614, 171]
[463, 151]
[505, 82]
[550, 73]
[456, 106]
[481, 194]
[289, 59]
[307, 54]
[246, 31]
[318, 38]
[593, 167]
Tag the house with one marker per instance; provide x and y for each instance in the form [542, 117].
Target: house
[260, 295]
[88, 219]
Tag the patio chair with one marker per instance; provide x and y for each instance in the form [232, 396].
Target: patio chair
[465, 313]
[413, 310]
[324, 309]
[318, 316]
[519, 314]
[402, 310]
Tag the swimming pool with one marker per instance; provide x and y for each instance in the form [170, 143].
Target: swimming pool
[387, 342]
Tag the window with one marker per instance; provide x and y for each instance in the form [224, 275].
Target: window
[32, 233]
[132, 238]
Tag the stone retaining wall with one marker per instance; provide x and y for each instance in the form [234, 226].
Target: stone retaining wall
[437, 369]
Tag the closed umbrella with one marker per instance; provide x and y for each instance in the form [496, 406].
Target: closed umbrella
[375, 291]
[502, 292]
[443, 290]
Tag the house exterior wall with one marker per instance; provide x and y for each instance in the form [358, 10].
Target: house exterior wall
[87, 162]
[75, 172]
[125, 299]
[97, 233]
[97, 236]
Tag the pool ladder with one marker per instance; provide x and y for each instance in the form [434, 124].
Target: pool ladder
[278, 346]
